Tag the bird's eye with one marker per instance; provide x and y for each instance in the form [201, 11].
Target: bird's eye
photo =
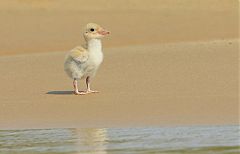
[92, 30]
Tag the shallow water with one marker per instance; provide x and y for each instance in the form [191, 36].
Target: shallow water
[157, 140]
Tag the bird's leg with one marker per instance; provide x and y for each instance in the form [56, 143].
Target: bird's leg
[88, 86]
[76, 88]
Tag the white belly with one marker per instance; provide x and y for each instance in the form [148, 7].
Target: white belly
[90, 67]
[93, 63]
[95, 58]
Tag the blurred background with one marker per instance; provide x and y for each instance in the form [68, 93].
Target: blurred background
[28, 26]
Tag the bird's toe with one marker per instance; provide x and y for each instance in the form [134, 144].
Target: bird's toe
[80, 92]
[92, 91]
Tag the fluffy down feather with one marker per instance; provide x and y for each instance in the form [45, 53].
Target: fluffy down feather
[79, 54]
[75, 62]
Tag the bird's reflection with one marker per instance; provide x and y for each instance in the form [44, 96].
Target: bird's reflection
[92, 140]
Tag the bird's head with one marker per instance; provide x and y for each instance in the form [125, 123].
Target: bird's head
[94, 31]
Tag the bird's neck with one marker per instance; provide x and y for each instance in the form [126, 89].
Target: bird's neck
[94, 45]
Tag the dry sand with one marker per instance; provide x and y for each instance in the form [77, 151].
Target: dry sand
[166, 63]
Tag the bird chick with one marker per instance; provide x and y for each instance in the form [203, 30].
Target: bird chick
[82, 62]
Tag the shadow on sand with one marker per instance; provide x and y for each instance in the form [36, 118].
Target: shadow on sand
[60, 92]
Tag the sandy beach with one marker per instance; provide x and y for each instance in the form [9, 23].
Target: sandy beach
[175, 63]
[29, 26]
[172, 84]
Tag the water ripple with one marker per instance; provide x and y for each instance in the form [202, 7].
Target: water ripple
[165, 140]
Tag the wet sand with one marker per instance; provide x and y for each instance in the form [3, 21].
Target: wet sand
[170, 84]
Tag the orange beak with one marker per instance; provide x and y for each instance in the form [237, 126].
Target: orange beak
[103, 32]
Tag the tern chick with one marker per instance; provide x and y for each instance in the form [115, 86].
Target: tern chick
[82, 62]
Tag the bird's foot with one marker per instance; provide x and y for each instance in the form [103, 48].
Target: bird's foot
[92, 91]
[85, 92]
[80, 92]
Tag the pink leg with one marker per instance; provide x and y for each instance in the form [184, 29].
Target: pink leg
[88, 86]
[76, 92]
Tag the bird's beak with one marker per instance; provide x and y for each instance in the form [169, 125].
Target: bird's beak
[103, 32]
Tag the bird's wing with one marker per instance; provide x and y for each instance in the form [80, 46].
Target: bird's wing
[79, 54]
